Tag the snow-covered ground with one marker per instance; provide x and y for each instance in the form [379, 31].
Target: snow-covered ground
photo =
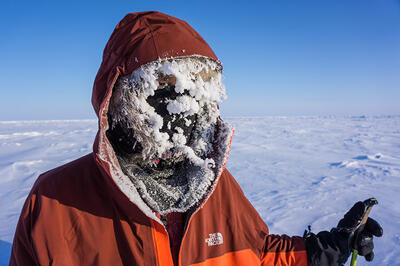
[295, 170]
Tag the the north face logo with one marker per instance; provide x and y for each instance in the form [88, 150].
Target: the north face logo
[215, 239]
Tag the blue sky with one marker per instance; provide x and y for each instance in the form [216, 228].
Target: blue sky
[280, 57]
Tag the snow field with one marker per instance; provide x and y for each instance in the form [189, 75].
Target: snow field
[298, 171]
[295, 171]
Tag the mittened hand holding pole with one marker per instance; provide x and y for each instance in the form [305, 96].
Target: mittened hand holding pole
[360, 229]
[364, 241]
[334, 247]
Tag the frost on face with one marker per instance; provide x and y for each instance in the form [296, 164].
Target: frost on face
[198, 87]
[185, 105]
[169, 111]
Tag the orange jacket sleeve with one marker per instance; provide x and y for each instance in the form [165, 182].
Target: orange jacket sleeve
[284, 250]
[22, 252]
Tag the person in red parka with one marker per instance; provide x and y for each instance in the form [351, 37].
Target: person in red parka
[155, 190]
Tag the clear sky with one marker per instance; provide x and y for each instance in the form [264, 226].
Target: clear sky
[280, 57]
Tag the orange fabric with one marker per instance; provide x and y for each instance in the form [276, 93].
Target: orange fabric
[161, 245]
[239, 258]
[285, 258]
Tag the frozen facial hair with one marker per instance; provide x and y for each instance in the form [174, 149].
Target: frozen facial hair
[163, 132]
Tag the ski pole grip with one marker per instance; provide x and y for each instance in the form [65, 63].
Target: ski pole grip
[369, 203]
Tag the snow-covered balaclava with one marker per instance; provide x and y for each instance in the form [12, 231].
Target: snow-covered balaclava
[162, 120]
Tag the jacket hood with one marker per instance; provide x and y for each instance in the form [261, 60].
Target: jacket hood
[141, 38]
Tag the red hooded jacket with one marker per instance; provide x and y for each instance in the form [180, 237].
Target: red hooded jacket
[87, 212]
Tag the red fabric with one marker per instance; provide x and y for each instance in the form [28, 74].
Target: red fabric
[140, 38]
[175, 227]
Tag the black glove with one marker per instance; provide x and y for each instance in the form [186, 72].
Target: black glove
[334, 247]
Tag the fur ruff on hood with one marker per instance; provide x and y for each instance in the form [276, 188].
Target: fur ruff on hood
[187, 180]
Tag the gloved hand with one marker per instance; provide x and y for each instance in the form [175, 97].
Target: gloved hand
[334, 247]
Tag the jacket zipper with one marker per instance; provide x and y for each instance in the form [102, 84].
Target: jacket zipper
[187, 224]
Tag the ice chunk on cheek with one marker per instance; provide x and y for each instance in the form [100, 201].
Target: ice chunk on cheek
[179, 130]
[155, 121]
[183, 104]
[188, 122]
[178, 138]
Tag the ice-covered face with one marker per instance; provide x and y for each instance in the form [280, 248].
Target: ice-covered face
[164, 101]
[166, 110]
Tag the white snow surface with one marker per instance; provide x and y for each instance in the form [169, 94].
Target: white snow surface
[295, 171]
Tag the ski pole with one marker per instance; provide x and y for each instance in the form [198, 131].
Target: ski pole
[370, 203]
